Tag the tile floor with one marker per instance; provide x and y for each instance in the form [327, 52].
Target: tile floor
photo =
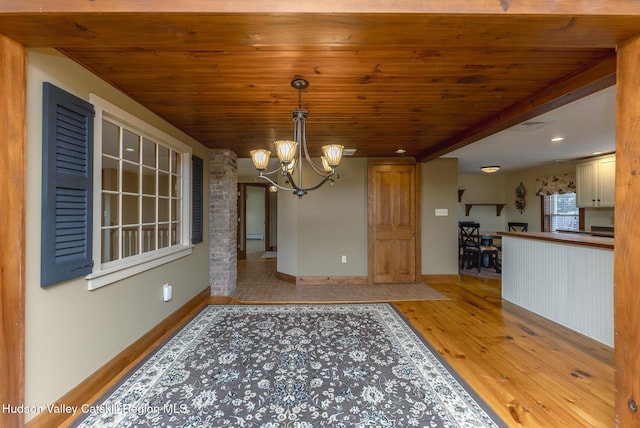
[257, 283]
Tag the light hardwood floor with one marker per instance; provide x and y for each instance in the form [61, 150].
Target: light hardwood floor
[532, 372]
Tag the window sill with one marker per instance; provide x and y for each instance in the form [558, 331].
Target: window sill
[125, 270]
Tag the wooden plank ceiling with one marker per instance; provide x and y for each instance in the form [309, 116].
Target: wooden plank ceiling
[425, 82]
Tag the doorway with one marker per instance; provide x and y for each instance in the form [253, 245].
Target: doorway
[256, 219]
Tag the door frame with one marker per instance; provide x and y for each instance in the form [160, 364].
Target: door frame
[370, 233]
[242, 218]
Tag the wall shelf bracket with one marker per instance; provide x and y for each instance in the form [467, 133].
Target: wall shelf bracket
[499, 207]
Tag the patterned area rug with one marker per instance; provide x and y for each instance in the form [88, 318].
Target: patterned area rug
[296, 366]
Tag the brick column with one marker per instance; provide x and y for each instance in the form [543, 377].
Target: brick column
[223, 221]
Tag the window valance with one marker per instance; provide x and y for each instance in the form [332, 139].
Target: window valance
[557, 184]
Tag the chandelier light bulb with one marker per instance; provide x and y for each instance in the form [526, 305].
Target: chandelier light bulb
[260, 158]
[325, 164]
[289, 166]
[286, 150]
[333, 153]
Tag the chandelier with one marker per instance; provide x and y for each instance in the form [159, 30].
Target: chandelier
[290, 154]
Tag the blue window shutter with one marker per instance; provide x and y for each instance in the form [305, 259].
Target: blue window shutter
[67, 186]
[197, 200]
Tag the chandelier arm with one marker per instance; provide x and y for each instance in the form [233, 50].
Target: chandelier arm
[317, 170]
[300, 135]
[295, 187]
[274, 183]
[263, 173]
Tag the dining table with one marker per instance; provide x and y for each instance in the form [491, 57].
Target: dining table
[487, 240]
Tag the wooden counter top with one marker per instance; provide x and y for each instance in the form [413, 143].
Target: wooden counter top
[565, 238]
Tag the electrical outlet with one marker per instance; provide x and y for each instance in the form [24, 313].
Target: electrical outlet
[167, 292]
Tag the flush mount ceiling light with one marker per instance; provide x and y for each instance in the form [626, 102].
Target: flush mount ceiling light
[490, 169]
[290, 154]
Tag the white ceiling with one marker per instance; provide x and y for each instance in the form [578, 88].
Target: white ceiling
[587, 125]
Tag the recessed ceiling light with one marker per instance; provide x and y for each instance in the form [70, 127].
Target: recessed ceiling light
[129, 149]
[401, 151]
[556, 139]
[596, 153]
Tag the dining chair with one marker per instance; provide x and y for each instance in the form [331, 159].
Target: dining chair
[461, 237]
[514, 226]
[470, 245]
[472, 249]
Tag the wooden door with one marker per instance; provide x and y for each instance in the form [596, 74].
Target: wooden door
[392, 223]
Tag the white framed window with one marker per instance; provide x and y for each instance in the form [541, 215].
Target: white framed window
[560, 212]
[142, 204]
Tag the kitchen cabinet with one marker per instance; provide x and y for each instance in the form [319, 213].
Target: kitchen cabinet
[595, 182]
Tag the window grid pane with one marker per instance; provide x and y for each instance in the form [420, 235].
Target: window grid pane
[141, 203]
[131, 146]
[163, 235]
[163, 158]
[148, 181]
[148, 237]
[110, 139]
[148, 153]
[163, 183]
[130, 177]
[129, 241]
[110, 246]
[175, 233]
[110, 173]
[110, 209]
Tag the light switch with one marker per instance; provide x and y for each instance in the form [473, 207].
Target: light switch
[442, 212]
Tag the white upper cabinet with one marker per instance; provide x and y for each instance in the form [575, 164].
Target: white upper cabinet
[595, 182]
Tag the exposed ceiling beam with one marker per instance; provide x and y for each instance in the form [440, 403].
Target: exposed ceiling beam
[593, 79]
[513, 7]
